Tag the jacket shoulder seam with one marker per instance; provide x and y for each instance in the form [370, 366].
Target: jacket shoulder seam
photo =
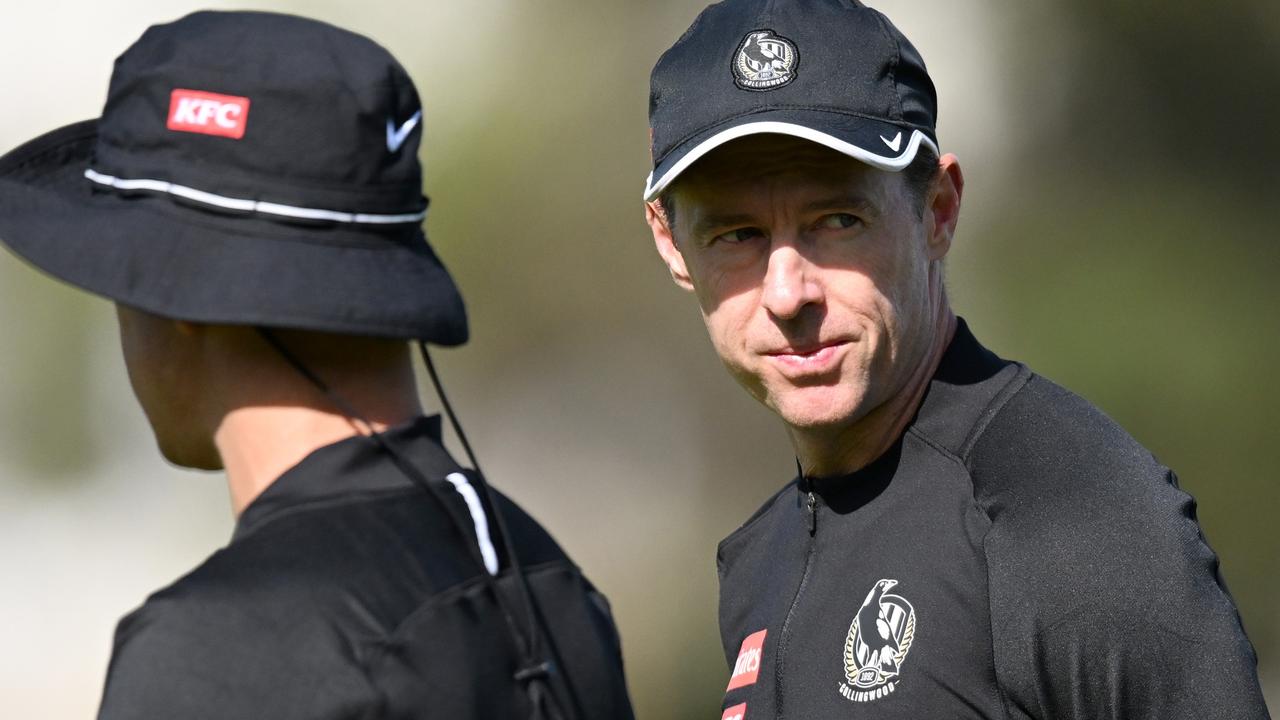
[998, 403]
[1001, 695]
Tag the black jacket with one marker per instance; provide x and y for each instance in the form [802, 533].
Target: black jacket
[1015, 555]
[346, 592]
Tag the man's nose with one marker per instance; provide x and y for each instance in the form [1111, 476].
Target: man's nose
[790, 282]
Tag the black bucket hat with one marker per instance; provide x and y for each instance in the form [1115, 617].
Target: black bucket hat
[248, 168]
[834, 72]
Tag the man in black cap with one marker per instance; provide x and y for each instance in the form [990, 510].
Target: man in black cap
[251, 200]
[965, 539]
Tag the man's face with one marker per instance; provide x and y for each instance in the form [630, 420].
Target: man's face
[813, 272]
[164, 370]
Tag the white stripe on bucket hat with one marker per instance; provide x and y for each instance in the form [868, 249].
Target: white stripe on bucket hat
[244, 205]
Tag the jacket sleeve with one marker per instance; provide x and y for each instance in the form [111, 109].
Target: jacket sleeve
[1139, 629]
[1106, 600]
[198, 660]
[159, 668]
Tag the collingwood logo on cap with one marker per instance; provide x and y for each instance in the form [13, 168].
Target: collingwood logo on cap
[764, 61]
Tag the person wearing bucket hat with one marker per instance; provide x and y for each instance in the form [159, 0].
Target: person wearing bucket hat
[251, 200]
[964, 538]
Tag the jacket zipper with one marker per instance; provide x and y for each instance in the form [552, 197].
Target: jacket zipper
[811, 503]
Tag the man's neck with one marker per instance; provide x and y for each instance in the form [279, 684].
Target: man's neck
[259, 443]
[855, 447]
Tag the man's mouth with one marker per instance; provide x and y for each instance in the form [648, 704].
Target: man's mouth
[808, 359]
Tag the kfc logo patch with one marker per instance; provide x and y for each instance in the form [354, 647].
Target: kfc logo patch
[737, 712]
[208, 113]
[747, 667]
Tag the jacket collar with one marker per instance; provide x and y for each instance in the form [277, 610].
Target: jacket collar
[962, 393]
[964, 389]
[350, 468]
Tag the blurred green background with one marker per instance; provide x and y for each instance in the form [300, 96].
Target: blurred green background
[1118, 236]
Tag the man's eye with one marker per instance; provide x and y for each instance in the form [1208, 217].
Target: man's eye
[838, 221]
[740, 235]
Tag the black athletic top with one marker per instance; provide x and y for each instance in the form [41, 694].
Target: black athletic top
[346, 592]
[1015, 555]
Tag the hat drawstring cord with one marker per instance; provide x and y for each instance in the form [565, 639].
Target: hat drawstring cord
[537, 673]
[533, 674]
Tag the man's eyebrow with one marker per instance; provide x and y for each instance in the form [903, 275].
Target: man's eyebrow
[707, 223]
[850, 201]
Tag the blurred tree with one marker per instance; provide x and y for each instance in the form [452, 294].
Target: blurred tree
[1178, 89]
[45, 363]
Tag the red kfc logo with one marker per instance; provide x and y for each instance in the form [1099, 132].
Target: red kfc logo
[747, 666]
[208, 113]
[737, 712]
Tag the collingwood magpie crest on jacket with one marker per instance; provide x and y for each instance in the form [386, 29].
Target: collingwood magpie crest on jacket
[879, 639]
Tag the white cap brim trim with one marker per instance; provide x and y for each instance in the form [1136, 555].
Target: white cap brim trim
[883, 162]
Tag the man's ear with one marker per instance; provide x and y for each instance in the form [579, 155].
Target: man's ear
[944, 205]
[666, 244]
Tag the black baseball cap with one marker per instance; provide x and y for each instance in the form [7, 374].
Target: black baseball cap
[248, 168]
[831, 71]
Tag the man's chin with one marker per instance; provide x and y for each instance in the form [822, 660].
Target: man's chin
[188, 458]
[816, 412]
